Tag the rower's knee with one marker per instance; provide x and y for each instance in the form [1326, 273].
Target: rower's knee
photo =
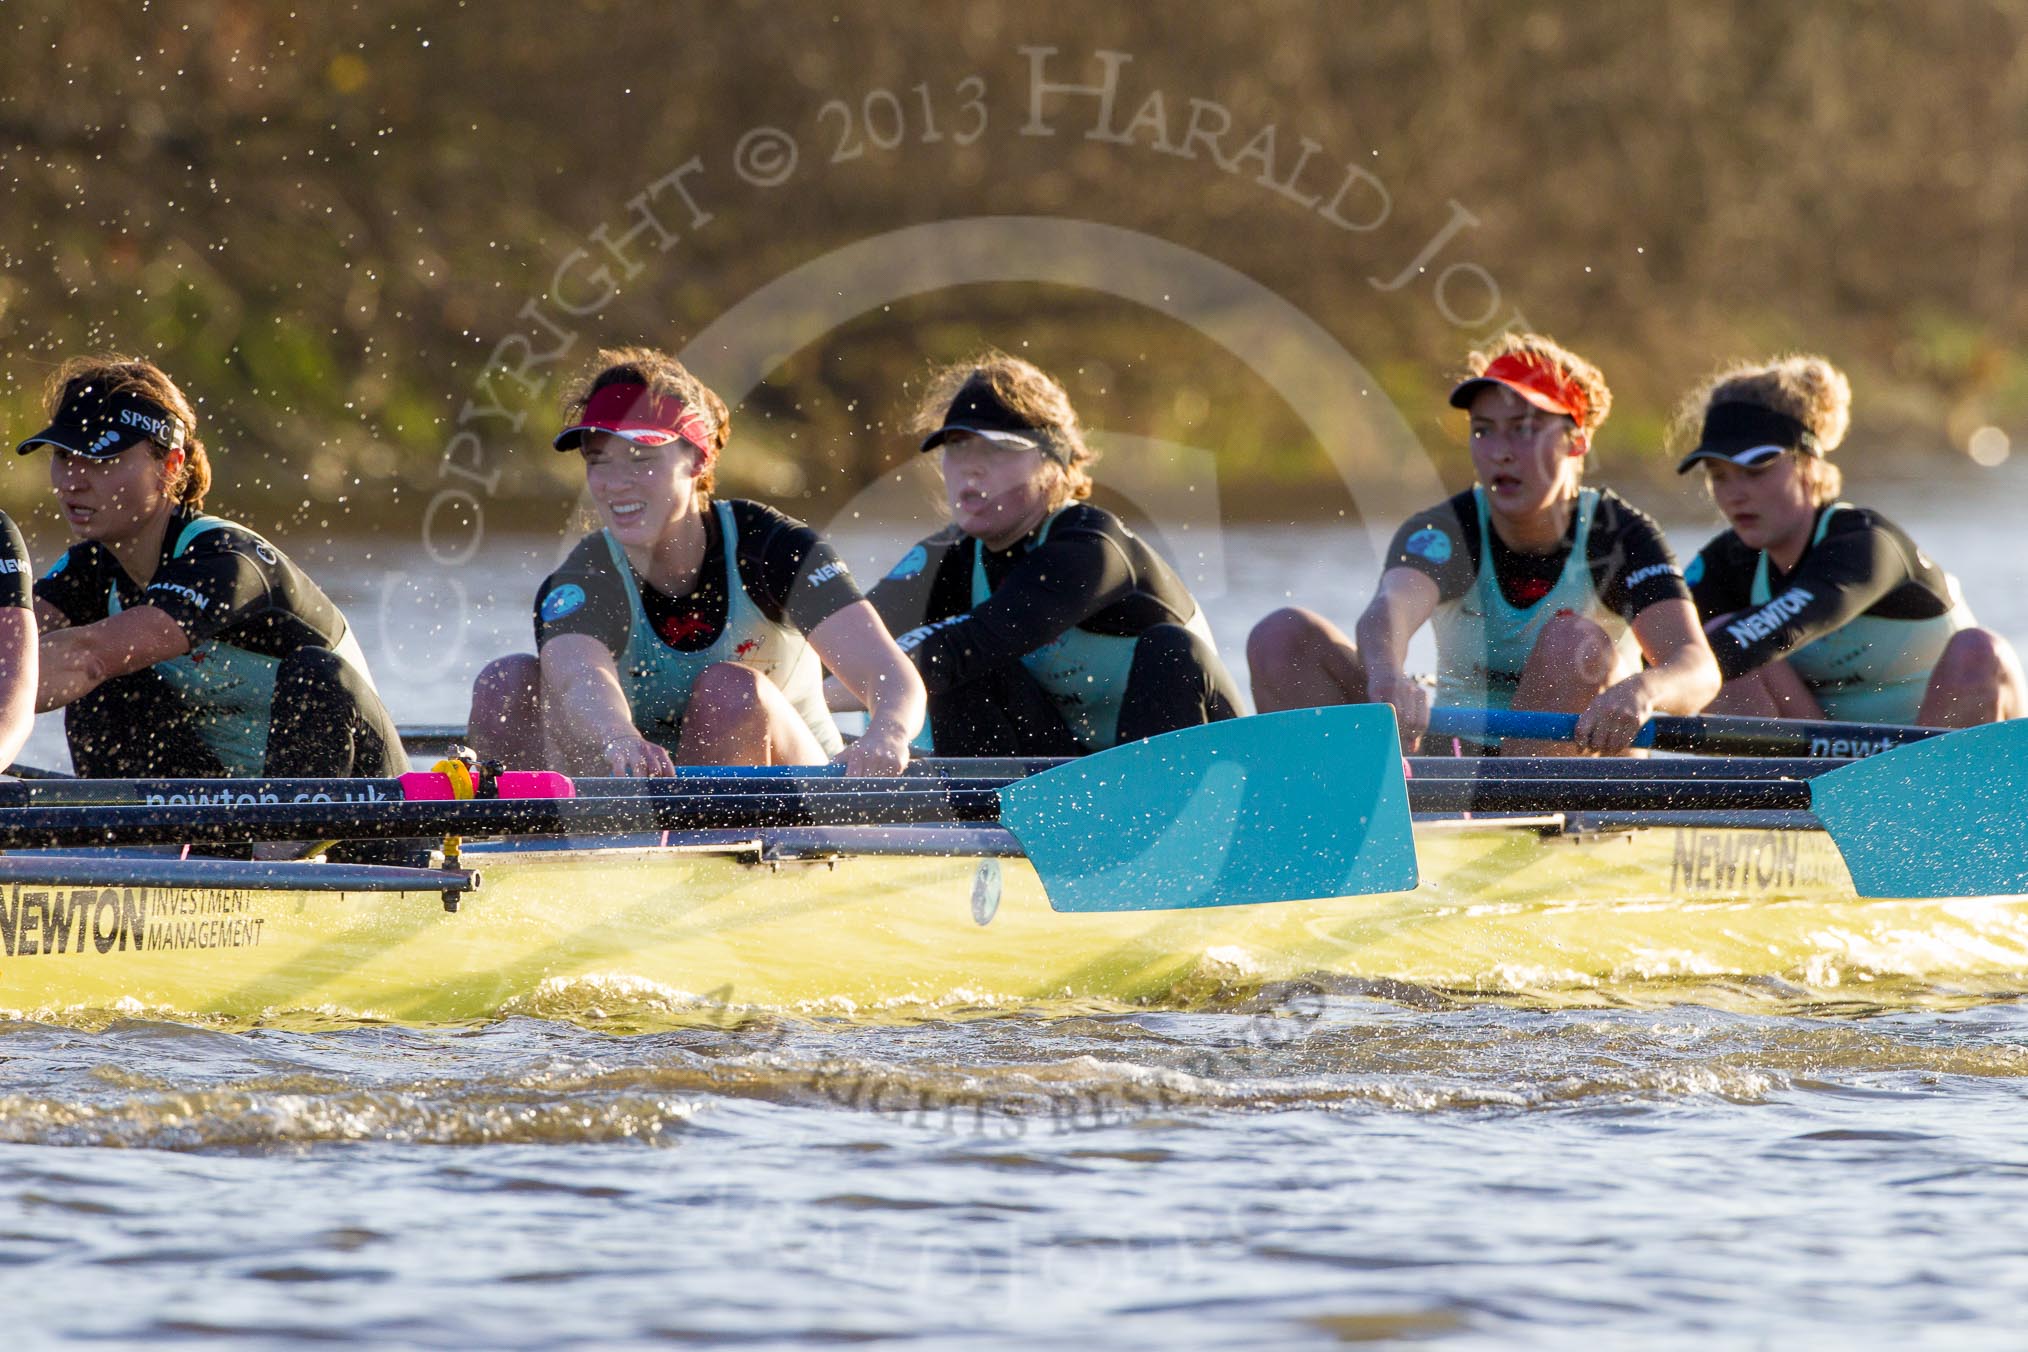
[1743, 696]
[1283, 639]
[1976, 680]
[1575, 648]
[1176, 681]
[506, 697]
[1297, 658]
[1976, 659]
[727, 693]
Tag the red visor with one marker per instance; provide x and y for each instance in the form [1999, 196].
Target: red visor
[1540, 384]
[641, 416]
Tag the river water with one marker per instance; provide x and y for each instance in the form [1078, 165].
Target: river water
[1346, 1164]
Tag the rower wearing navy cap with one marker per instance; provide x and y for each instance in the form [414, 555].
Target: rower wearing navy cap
[178, 643]
[688, 630]
[1543, 594]
[1817, 608]
[1041, 625]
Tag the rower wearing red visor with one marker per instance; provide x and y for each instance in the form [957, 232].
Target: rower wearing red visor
[1543, 594]
[688, 630]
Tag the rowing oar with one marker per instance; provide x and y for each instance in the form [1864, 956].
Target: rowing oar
[156, 824]
[1940, 817]
[1713, 733]
[1435, 784]
[952, 772]
[419, 786]
[1309, 803]
[227, 793]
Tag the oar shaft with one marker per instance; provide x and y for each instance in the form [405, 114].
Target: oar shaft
[1670, 768]
[198, 795]
[1713, 733]
[1629, 795]
[229, 793]
[34, 827]
[1733, 736]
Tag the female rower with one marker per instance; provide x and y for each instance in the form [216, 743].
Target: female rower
[1816, 607]
[181, 644]
[1544, 594]
[677, 633]
[1041, 625]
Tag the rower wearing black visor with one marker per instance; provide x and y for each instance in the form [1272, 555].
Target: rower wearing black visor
[176, 642]
[1817, 607]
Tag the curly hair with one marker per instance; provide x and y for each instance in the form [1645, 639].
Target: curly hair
[1547, 352]
[663, 375]
[138, 375]
[1802, 385]
[1030, 392]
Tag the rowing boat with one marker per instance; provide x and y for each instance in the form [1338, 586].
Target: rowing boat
[878, 922]
[1225, 858]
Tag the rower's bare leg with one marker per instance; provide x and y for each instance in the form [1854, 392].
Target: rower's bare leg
[1571, 663]
[1771, 691]
[570, 752]
[1744, 696]
[739, 717]
[505, 723]
[1977, 680]
[1792, 695]
[1300, 660]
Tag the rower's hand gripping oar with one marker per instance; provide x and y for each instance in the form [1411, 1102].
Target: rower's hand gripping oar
[1716, 734]
[1276, 807]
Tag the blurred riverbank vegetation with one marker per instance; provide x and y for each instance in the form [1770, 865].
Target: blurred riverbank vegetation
[324, 221]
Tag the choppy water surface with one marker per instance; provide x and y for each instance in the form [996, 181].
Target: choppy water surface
[1354, 1169]
[1301, 1167]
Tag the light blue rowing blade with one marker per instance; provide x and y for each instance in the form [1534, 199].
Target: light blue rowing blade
[1277, 807]
[1941, 818]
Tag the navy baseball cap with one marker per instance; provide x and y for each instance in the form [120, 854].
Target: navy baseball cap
[98, 423]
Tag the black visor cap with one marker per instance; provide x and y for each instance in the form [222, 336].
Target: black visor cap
[98, 424]
[1747, 434]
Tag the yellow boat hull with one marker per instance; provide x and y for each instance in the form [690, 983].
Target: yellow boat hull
[679, 930]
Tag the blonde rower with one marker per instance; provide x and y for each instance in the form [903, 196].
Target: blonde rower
[1041, 624]
[1817, 607]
